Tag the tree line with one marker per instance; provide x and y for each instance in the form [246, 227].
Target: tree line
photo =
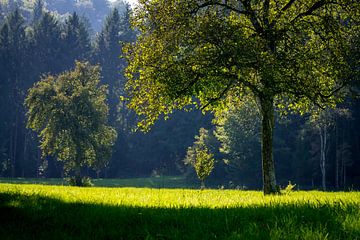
[310, 150]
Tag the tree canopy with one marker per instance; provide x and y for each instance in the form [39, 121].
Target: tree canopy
[69, 112]
[286, 54]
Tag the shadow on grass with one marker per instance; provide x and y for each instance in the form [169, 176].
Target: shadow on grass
[38, 217]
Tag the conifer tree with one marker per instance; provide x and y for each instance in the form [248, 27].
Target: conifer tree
[76, 41]
[38, 10]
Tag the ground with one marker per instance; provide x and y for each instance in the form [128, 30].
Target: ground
[30, 211]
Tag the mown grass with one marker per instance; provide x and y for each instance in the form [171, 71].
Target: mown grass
[60, 212]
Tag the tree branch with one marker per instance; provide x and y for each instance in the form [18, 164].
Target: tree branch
[217, 3]
[221, 95]
[266, 7]
[317, 5]
[189, 85]
[288, 5]
[253, 18]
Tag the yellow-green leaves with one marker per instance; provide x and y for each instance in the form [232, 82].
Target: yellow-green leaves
[295, 51]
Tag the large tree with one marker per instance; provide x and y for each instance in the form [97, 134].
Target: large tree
[69, 112]
[286, 54]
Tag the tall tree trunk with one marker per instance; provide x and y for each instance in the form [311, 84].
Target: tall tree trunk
[323, 142]
[268, 166]
[24, 152]
[337, 154]
[14, 145]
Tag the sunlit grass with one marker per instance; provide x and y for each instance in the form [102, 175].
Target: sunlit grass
[151, 182]
[148, 213]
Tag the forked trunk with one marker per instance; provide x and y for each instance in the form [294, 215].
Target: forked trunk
[268, 166]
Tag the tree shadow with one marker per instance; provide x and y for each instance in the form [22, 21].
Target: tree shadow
[38, 217]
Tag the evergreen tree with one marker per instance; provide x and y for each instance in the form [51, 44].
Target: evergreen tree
[13, 46]
[38, 10]
[47, 45]
[107, 53]
[76, 41]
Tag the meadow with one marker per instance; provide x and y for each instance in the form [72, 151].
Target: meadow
[29, 211]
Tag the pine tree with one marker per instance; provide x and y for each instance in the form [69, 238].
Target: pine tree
[107, 53]
[47, 45]
[38, 10]
[76, 41]
[13, 45]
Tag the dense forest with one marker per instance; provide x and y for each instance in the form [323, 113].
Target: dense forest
[38, 38]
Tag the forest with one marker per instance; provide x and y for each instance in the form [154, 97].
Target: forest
[318, 149]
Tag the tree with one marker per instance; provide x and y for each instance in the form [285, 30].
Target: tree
[47, 45]
[324, 121]
[38, 10]
[200, 157]
[76, 41]
[284, 54]
[69, 113]
[107, 53]
[13, 51]
[238, 132]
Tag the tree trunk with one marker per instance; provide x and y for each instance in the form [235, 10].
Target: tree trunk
[14, 145]
[77, 169]
[323, 142]
[336, 154]
[202, 185]
[78, 181]
[268, 166]
[25, 152]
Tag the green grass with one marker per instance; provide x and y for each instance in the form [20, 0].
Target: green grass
[61, 212]
[151, 182]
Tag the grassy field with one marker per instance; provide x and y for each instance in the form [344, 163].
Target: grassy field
[150, 182]
[60, 212]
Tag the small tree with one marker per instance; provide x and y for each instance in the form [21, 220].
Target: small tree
[200, 157]
[69, 112]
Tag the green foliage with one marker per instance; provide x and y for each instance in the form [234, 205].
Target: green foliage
[69, 113]
[288, 54]
[85, 182]
[295, 52]
[76, 38]
[200, 157]
[144, 213]
[289, 188]
[238, 130]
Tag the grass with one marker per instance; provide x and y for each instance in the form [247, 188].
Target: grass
[151, 182]
[62, 212]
